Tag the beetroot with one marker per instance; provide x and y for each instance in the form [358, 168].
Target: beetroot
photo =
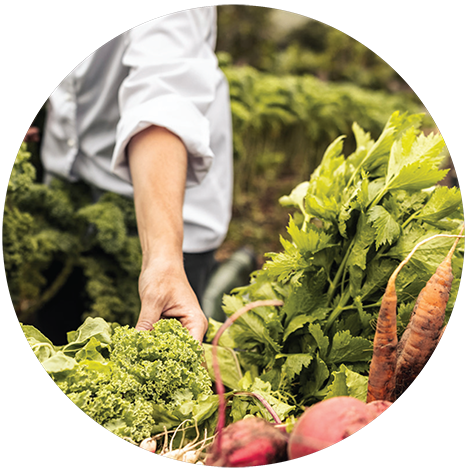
[327, 423]
[376, 407]
[249, 442]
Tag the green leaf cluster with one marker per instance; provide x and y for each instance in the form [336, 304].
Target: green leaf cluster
[51, 230]
[134, 383]
[354, 220]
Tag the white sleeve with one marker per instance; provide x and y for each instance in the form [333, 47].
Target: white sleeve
[172, 81]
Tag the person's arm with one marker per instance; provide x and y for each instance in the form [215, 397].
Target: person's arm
[158, 166]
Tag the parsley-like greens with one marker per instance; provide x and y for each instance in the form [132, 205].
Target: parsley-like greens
[355, 220]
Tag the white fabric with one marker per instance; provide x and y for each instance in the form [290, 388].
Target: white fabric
[164, 73]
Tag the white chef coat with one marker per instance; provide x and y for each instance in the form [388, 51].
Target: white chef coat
[163, 73]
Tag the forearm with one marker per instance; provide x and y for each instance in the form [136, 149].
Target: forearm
[158, 165]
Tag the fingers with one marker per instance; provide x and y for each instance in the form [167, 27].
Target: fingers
[145, 323]
[182, 304]
[198, 333]
[150, 311]
[170, 297]
[197, 325]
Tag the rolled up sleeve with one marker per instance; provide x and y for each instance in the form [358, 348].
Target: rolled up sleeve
[172, 81]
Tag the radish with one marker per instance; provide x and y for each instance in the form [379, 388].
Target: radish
[249, 442]
[328, 422]
[377, 407]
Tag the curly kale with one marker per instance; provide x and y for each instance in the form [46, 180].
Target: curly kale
[131, 382]
[51, 232]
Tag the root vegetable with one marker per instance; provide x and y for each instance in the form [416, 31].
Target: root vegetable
[381, 380]
[377, 407]
[249, 442]
[383, 368]
[326, 423]
[149, 444]
[424, 330]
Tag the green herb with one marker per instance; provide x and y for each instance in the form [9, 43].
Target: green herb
[356, 219]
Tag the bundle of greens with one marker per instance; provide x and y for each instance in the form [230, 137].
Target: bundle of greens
[354, 221]
[138, 384]
[134, 383]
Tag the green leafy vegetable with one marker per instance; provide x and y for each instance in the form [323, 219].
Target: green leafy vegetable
[134, 383]
[356, 219]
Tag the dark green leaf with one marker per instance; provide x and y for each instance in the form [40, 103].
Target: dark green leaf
[346, 348]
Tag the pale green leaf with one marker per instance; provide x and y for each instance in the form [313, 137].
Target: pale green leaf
[348, 383]
[321, 339]
[442, 203]
[296, 197]
[294, 364]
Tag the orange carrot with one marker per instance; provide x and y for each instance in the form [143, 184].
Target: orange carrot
[425, 326]
[382, 378]
[383, 363]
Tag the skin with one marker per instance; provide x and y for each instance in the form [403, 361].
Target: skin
[423, 332]
[158, 165]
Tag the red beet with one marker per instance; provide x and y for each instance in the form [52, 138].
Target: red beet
[376, 407]
[327, 423]
[249, 442]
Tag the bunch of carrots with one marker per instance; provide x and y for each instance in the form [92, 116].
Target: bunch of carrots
[396, 364]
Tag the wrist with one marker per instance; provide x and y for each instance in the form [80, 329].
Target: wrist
[162, 242]
[164, 257]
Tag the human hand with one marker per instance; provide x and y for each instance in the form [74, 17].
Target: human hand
[166, 293]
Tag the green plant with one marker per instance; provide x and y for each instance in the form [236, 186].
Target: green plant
[51, 231]
[354, 220]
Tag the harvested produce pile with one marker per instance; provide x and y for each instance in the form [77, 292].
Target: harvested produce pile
[303, 359]
[354, 221]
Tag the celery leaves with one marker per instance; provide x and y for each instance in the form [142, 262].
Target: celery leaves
[355, 219]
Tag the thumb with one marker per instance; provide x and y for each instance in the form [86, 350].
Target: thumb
[149, 315]
[197, 332]
[196, 324]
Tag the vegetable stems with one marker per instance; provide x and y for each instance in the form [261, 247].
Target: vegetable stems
[220, 389]
[340, 271]
[265, 404]
[345, 297]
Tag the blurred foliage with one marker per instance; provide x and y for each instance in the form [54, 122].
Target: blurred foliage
[284, 123]
[45, 227]
[282, 126]
[245, 32]
[253, 36]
